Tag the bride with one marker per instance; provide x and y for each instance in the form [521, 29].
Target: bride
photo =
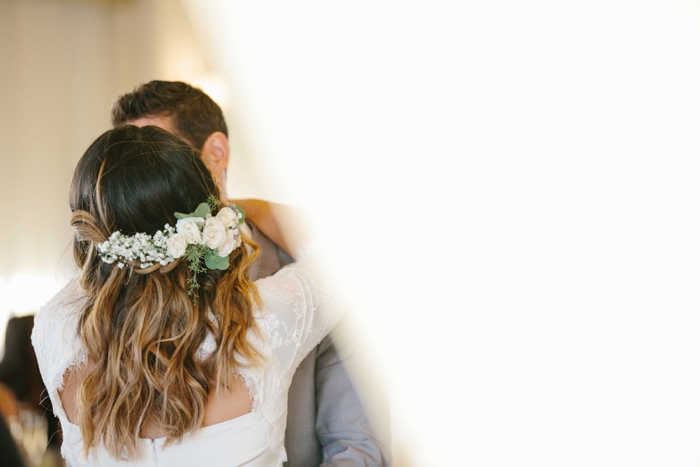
[163, 352]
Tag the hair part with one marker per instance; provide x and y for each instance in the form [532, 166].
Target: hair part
[142, 330]
[195, 115]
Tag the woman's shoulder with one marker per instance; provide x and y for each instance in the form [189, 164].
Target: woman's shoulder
[286, 285]
[303, 274]
[300, 305]
[65, 305]
[55, 334]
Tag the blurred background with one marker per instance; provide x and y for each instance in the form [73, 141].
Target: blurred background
[512, 187]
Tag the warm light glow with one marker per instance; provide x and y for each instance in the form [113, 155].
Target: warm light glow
[214, 86]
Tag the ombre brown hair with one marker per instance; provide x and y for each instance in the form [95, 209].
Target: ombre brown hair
[143, 331]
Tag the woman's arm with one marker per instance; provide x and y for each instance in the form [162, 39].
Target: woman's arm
[287, 226]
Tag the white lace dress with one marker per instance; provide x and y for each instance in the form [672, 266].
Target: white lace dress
[297, 313]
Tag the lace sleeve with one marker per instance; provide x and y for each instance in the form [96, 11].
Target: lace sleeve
[56, 342]
[300, 306]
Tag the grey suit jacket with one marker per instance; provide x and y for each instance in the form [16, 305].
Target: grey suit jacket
[326, 423]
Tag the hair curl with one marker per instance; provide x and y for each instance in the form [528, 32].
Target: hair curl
[142, 330]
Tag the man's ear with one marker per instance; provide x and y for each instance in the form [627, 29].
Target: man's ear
[215, 153]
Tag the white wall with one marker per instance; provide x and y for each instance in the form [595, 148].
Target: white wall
[62, 65]
[61, 68]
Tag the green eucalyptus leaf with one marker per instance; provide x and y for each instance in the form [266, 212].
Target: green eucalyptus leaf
[202, 210]
[214, 261]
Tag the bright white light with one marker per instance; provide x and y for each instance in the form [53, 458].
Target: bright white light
[4, 303]
[24, 293]
[27, 292]
[513, 186]
[4, 314]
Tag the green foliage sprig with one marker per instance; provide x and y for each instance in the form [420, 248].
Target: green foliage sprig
[194, 256]
[213, 202]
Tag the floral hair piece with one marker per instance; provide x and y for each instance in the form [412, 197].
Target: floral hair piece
[196, 237]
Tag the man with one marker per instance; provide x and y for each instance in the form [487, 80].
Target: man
[326, 423]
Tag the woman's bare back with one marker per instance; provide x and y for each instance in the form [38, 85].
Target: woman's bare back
[222, 405]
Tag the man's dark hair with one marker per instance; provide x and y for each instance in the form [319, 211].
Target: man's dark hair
[195, 115]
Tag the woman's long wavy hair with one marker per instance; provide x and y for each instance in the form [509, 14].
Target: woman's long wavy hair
[143, 331]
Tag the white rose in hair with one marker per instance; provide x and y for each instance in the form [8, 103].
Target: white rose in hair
[189, 227]
[214, 233]
[233, 241]
[177, 244]
[228, 217]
